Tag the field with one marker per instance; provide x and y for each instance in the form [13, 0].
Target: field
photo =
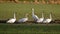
[7, 10]
[29, 29]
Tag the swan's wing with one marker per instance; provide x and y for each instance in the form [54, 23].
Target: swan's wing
[22, 20]
[11, 21]
[35, 17]
[47, 21]
[40, 20]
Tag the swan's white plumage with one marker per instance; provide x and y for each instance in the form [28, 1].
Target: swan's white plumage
[48, 20]
[12, 20]
[23, 19]
[35, 17]
[41, 19]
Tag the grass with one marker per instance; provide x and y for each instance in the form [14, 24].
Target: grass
[29, 29]
[7, 9]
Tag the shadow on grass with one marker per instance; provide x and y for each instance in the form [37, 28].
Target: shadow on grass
[30, 22]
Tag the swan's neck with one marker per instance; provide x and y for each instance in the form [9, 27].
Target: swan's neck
[32, 11]
[50, 16]
[42, 15]
[14, 16]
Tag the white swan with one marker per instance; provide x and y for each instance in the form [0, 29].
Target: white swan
[12, 20]
[24, 19]
[35, 17]
[48, 20]
[40, 20]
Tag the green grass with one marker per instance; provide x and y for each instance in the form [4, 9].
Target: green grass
[7, 9]
[29, 29]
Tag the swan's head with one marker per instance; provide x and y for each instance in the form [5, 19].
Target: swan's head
[32, 8]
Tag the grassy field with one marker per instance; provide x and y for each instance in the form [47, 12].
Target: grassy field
[29, 29]
[7, 9]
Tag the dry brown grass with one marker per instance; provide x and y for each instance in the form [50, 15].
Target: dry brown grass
[58, 2]
[26, 2]
[51, 2]
[16, 1]
[35, 1]
[43, 2]
[55, 2]
[1, 1]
